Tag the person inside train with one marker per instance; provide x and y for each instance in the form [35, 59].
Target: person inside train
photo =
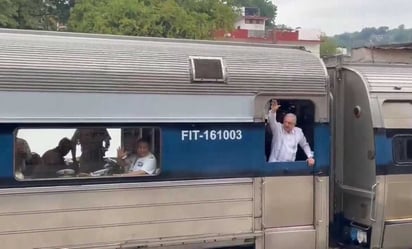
[32, 164]
[22, 155]
[286, 138]
[53, 159]
[143, 162]
[93, 151]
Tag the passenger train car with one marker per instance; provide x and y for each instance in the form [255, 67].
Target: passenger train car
[372, 154]
[201, 108]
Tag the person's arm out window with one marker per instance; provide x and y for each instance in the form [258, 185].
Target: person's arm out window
[303, 143]
[275, 126]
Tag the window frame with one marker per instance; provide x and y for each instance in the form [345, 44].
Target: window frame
[293, 102]
[87, 178]
[195, 80]
[395, 153]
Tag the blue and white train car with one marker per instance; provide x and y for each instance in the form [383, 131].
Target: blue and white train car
[202, 106]
[372, 161]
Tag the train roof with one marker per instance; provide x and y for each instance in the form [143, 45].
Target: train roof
[384, 78]
[73, 62]
[107, 78]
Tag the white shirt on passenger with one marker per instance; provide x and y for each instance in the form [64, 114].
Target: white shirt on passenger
[285, 144]
[147, 164]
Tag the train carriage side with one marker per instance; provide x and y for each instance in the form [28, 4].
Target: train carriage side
[199, 107]
[373, 163]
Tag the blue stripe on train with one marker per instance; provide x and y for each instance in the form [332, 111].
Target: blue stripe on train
[6, 152]
[384, 157]
[235, 157]
[185, 159]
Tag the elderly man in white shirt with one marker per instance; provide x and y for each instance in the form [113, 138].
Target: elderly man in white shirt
[286, 138]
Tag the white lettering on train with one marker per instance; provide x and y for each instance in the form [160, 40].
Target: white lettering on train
[211, 135]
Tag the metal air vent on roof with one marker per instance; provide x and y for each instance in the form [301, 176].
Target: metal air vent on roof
[207, 69]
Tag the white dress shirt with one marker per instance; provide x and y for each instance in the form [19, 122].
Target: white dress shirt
[285, 144]
[147, 164]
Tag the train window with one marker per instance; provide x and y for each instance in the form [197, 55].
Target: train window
[86, 152]
[207, 69]
[402, 149]
[304, 112]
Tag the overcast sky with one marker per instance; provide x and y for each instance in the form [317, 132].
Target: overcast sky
[338, 16]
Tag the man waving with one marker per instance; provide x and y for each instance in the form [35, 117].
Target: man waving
[286, 138]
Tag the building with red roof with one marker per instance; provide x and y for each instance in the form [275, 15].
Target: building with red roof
[251, 27]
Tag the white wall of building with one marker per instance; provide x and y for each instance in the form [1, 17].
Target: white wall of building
[309, 35]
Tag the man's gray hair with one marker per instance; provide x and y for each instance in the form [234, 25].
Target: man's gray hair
[291, 115]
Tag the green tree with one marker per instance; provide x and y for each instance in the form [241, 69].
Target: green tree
[7, 13]
[328, 47]
[27, 14]
[60, 9]
[267, 8]
[34, 14]
[159, 18]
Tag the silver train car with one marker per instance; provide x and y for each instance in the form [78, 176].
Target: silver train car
[371, 181]
[200, 107]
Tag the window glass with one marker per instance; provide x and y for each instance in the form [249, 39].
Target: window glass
[409, 149]
[86, 152]
[402, 149]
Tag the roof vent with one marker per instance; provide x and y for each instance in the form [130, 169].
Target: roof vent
[207, 69]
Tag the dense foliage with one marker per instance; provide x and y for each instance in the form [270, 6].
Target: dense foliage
[34, 14]
[196, 19]
[159, 18]
[374, 36]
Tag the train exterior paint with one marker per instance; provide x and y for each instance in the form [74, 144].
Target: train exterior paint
[202, 106]
[185, 155]
[371, 180]
[215, 188]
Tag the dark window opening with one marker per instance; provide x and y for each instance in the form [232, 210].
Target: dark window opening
[252, 11]
[402, 149]
[305, 114]
[205, 69]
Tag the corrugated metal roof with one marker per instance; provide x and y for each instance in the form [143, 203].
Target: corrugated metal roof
[386, 78]
[46, 61]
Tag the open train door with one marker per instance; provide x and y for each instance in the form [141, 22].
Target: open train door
[372, 155]
[354, 181]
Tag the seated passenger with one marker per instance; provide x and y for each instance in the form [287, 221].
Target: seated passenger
[53, 160]
[91, 141]
[22, 155]
[286, 137]
[32, 164]
[142, 163]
